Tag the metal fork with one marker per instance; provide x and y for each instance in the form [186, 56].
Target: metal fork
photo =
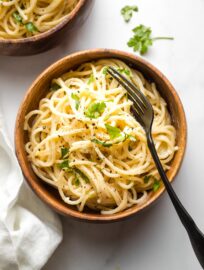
[144, 114]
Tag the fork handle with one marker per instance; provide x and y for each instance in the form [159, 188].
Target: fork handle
[195, 235]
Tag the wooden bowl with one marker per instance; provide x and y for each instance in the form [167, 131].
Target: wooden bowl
[49, 39]
[38, 90]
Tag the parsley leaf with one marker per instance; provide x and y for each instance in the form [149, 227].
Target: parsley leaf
[95, 110]
[124, 70]
[156, 185]
[17, 17]
[31, 27]
[80, 173]
[77, 182]
[115, 132]
[147, 178]
[64, 152]
[142, 39]
[54, 87]
[64, 165]
[127, 12]
[76, 98]
[91, 79]
[102, 143]
[105, 70]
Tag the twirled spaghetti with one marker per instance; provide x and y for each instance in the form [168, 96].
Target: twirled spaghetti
[84, 141]
[25, 18]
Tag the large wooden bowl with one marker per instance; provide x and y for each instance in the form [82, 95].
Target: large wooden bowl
[50, 38]
[38, 90]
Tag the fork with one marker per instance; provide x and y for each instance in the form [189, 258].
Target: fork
[144, 114]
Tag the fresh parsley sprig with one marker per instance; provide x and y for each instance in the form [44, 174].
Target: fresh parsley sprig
[127, 12]
[76, 99]
[30, 27]
[142, 39]
[156, 183]
[95, 110]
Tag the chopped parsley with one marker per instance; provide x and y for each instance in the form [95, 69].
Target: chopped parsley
[105, 144]
[77, 182]
[31, 27]
[77, 102]
[124, 70]
[64, 152]
[80, 173]
[105, 70]
[142, 39]
[127, 12]
[17, 17]
[64, 165]
[55, 87]
[91, 79]
[147, 178]
[95, 110]
[156, 185]
[114, 132]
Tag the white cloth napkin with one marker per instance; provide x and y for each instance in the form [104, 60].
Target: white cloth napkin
[29, 230]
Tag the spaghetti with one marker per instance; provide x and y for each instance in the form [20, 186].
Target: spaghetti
[25, 18]
[84, 141]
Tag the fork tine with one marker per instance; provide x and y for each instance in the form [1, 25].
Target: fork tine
[137, 115]
[132, 96]
[131, 91]
[132, 87]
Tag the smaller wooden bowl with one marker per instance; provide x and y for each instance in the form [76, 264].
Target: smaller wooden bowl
[50, 38]
[39, 89]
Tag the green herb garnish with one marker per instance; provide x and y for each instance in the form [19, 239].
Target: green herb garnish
[113, 132]
[127, 12]
[64, 152]
[77, 182]
[105, 144]
[105, 70]
[80, 173]
[31, 27]
[55, 87]
[124, 70]
[64, 165]
[17, 17]
[91, 79]
[142, 39]
[156, 185]
[95, 110]
[147, 178]
[77, 102]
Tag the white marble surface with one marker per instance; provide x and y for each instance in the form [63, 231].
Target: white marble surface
[154, 239]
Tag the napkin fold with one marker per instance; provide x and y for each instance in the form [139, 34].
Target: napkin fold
[29, 230]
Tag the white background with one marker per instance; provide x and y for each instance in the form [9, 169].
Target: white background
[154, 239]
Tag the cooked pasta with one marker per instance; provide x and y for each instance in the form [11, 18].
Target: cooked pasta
[25, 18]
[84, 141]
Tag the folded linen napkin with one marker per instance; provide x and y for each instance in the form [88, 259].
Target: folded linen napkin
[29, 230]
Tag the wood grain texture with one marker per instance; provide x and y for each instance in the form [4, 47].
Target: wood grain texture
[39, 89]
[48, 39]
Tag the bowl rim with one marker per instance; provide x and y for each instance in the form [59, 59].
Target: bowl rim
[49, 32]
[90, 217]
